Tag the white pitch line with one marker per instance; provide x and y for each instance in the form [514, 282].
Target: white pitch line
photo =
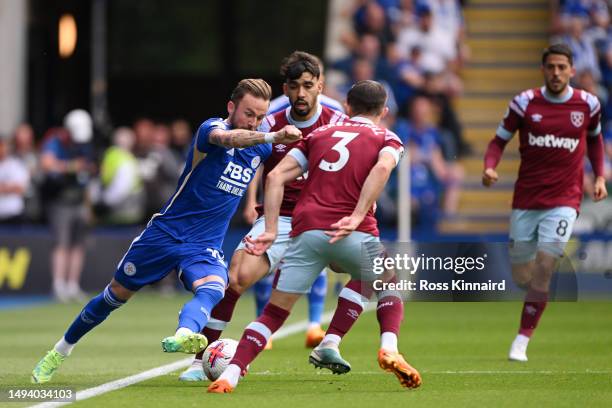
[457, 372]
[168, 368]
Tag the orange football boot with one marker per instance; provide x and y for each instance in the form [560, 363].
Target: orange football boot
[395, 363]
[314, 336]
[220, 386]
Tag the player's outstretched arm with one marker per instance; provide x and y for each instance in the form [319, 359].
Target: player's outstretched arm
[287, 170]
[245, 138]
[372, 187]
[491, 160]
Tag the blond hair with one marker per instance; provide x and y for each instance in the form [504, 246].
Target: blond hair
[256, 87]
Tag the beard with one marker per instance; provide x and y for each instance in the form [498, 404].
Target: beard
[301, 110]
[556, 88]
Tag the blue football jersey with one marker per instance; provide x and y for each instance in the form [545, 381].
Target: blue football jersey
[209, 190]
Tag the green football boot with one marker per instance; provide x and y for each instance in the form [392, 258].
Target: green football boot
[191, 343]
[46, 367]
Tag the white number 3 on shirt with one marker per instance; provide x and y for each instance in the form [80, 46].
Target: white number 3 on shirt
[340, 147]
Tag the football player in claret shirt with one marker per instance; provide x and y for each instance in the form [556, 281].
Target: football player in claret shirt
[556, 125]
[348, 165]
[302, 84]
[187, 234]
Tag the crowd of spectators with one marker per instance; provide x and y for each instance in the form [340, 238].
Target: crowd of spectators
[417, 49]
[70, 181]
[119, 180]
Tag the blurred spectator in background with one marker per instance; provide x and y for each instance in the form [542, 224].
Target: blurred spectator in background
[431, 173]
[410, 75]
[67, 165]
[369, 17]
[159, 167]
[24, 150]
[448, 18]
[181, 136]
[14, 182]
[582, 45]
[438, 48]
[122, 198]
[167, 168]
[363, 69]
[368, 48]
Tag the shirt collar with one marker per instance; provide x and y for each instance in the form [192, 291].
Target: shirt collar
[361, 119]
[557, 99]
[306, 123]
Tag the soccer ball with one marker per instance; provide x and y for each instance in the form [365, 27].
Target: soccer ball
[217, 357]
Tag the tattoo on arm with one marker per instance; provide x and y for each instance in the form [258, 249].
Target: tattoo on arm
[236, 138]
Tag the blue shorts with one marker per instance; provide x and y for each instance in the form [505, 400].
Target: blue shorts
[154, 254]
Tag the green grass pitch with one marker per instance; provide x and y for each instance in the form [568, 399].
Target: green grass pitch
[460, 349]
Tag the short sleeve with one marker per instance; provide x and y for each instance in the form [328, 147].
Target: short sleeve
[594, 121]
[300, 152]
[513, 118]
[201, 139]
[393, 145]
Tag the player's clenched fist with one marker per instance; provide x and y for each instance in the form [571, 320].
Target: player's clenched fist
[288, 134]
[600, 192]
[489, 177]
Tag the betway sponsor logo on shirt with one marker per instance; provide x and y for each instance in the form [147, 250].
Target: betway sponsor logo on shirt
[554, 141]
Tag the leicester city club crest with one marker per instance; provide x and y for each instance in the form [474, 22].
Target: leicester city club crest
[577, 118]
[129, 269]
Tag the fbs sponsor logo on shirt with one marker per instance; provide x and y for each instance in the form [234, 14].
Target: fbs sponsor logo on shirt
[554, 142]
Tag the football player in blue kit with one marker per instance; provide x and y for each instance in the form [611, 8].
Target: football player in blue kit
[187, 234]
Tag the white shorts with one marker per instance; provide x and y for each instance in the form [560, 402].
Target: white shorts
[310, 252]
[277, 250]
[540, 230]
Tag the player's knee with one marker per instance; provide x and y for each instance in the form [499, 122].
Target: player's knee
[208, 279]
[120, 291]
[522, 275]
[212, 290]
[249, 273]
[544, 268]
[236, 285]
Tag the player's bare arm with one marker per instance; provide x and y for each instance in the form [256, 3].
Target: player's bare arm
[372, 187]
[287, 170]
[245, 138]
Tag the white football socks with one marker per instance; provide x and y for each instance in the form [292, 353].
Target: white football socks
[183, 331]
[388, 341]
[63, 347]
[231, 374]
[331, 340]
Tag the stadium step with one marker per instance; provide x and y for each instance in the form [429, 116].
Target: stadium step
[504, 50]
[469, 226]
[500, 79]
[481, 111]
[479, 138]
[506, 38]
